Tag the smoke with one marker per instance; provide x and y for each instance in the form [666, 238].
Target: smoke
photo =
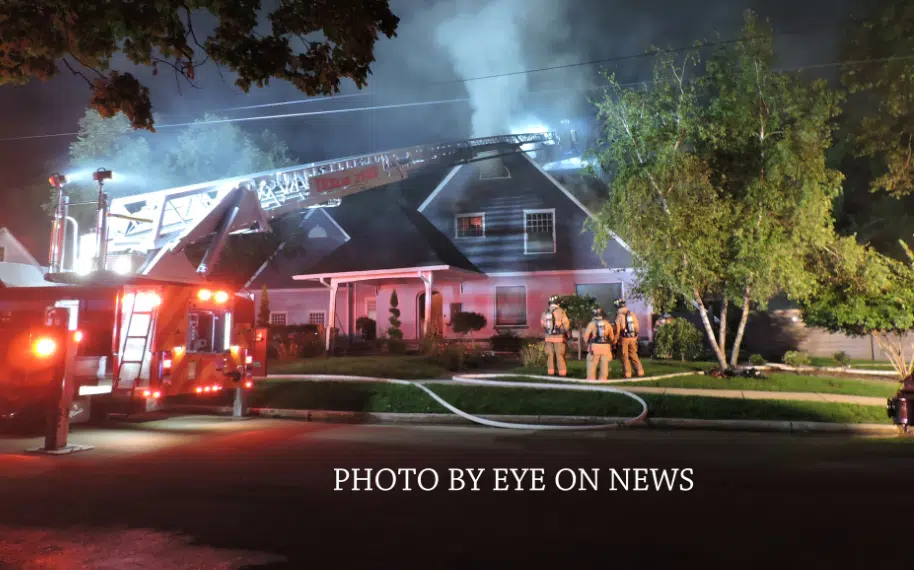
[501, 38]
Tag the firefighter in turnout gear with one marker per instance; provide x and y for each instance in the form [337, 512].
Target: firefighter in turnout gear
[627, 330]
[600, 337]
[556, 326]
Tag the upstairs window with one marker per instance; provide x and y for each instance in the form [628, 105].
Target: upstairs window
[471, 225]
[539, 231]
[278, 319]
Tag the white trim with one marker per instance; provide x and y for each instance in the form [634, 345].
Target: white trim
[372, 272]
[541, 211]
[573, 199]
[323, 314]
[495, 307]
[339, 227]
[293, 290]
[558, 272]
[470, 215]
[440, 187]
[285, 313]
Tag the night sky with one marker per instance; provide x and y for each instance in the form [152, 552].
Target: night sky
[438, 45]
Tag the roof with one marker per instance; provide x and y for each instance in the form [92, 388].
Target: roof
[17, 252]
[415, 243]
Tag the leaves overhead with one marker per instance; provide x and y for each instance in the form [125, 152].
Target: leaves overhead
[313, 44]
[879, 68]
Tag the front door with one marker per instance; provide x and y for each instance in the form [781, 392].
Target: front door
[437, 320]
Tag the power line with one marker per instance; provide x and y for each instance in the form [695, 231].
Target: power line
[429, 103]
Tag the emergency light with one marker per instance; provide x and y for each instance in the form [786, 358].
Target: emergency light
[44, 347]
[204, 294]
[221, 296]
[78, 336]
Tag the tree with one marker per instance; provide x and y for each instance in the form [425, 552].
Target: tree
[337, 39]
[720, 183]
[263, 314]
[881, 73]
[394, 331]
[866, 293]
[579, 309]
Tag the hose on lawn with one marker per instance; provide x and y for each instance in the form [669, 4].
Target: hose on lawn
[488, 380]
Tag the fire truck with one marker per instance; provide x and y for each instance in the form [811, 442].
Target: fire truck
[145, 323]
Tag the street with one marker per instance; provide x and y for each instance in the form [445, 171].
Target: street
[204, 492]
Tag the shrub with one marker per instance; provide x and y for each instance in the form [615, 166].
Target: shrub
[756, 360]
[534, 354]
[794, 358]
[367, 327]
[396, 346]
[394, 331]
[678, 339]
[842, 359]
[506, 341]
[463, 323]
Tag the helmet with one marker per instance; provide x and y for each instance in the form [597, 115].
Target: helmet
[554, 300]
[618, 303]
[598, 311]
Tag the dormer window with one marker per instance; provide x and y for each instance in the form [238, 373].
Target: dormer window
[471, 225]
[493, 169]
[539, 231]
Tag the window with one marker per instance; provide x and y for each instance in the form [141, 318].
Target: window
[604, 293]
[511, 306]
[2, 254]
[539, 231]
[471, 226]
[316, 318]
[278, 319]
[456, 308]
[371, 309]
[317, 232]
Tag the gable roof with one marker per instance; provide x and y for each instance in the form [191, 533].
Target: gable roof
[16, 252]
[396, 236]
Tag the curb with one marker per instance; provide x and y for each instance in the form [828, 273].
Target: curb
[327, 416]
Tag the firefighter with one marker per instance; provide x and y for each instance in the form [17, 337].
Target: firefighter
[556, 326]
[627, 330]
[600, 338]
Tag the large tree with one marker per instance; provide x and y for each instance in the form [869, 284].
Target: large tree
[879, 70]
[720, 183]
[312, 44]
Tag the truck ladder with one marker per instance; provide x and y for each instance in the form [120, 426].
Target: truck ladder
[147, 324]
[146, 222]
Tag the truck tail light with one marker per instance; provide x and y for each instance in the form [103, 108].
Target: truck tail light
[199, 389]
[44, 347]
[249, 384]
[78, 336]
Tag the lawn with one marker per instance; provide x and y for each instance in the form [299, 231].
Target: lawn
[652, 367]
[382, 397]
[404, 367]
[781, 382]
[864, 364]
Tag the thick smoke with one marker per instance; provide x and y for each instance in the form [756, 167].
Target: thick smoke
[506, 37]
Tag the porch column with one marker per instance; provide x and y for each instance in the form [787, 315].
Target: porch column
[427, 279]
[331, 312]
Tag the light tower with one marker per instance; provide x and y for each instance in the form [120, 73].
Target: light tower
[58, 229]
[101, 226]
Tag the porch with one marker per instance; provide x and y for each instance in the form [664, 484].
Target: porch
[430, 301]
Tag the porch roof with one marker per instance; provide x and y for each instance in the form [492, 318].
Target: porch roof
[376, 276]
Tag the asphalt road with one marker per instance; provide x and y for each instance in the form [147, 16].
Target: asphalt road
[214, 493]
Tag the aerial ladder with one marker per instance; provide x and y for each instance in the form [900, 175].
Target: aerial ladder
[148, 234]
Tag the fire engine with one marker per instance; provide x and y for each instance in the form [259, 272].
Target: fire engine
[145, 323]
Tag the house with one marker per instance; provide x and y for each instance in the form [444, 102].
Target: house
[17, 266]
[496, 237]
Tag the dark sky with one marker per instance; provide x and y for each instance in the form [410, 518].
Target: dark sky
[439, 44]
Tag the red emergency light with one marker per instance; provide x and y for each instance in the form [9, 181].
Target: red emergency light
[44, 347]
[78, 336]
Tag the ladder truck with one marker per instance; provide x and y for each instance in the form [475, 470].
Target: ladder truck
[147, 324]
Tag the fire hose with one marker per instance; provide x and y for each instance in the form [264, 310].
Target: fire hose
[487, 380]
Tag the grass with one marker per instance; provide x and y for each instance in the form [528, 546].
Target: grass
[785, 382]
[652, 367]
[826, 362]
[382, 397]
[404, 367]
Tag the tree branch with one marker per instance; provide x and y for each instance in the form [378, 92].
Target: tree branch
[78, 73]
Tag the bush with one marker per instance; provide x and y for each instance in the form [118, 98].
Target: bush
[506, 341]
[396, 346]
[367, 327]
[756, 360]
[534, 354]
[464, 323]
[842, 359]
[678, 339]
[794, 358]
